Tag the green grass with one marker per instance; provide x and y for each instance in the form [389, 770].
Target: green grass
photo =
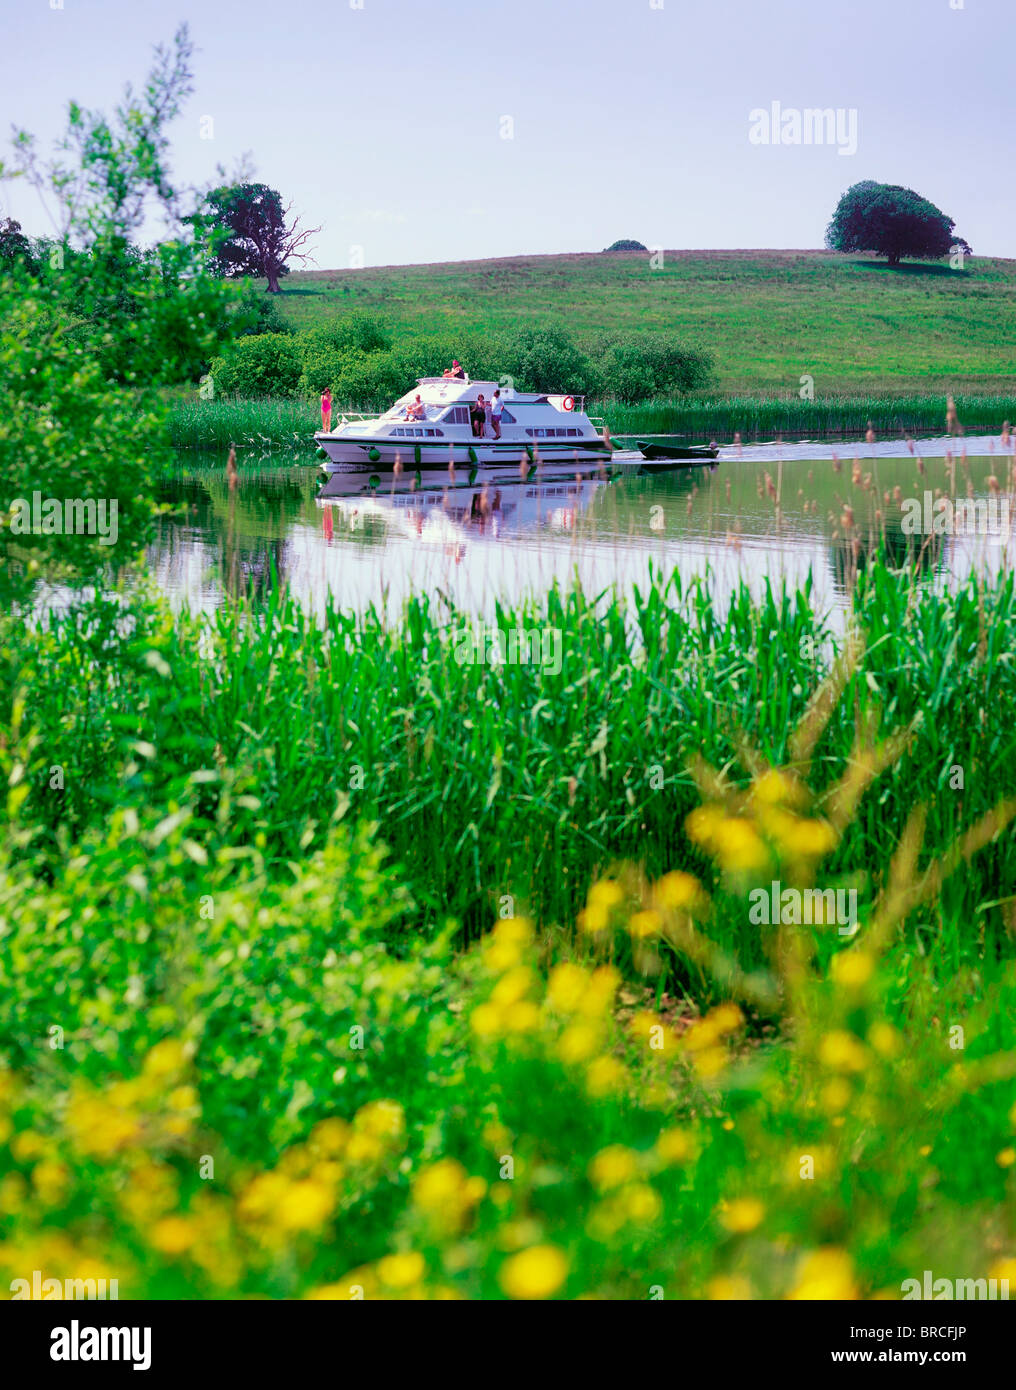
[475, 805]
[856, 326]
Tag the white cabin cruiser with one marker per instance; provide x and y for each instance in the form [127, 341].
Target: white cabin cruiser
[553, 428]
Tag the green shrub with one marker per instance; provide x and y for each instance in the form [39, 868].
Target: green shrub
[265, 365]
[355, 330]
[636, 367]
[545, 359]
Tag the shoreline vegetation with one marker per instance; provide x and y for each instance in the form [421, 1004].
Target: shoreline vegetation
[193, 423]
[344, 967]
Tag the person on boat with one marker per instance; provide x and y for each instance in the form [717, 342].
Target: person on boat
[454, 370]
[496, 407]
[478, 416]
[417, 410]
[326, 409]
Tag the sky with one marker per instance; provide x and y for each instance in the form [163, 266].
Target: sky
[414, 131]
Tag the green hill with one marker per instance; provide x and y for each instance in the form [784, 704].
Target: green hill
[852, 323]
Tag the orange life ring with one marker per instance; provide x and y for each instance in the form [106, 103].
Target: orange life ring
[568, 403]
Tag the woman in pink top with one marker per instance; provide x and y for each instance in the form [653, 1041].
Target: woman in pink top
[326, 408]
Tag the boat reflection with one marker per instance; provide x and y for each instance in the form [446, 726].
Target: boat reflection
[449, 515]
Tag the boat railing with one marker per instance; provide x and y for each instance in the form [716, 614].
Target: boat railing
[352, 417]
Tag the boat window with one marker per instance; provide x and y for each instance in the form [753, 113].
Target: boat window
[540, 434]
[507, 418]
[457, 415]
[572, 434]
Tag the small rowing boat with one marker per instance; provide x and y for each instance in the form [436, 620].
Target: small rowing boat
[692, 453]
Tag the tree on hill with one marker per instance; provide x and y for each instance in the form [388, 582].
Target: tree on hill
[14, 245]
[626, 245]
[254, 234]
[892, 221]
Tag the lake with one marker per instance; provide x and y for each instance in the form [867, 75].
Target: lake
[773, 512]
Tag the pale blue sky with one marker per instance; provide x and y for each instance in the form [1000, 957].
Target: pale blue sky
[631, 117]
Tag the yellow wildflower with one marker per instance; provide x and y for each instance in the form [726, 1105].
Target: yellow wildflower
[50, 1179]
[485, 1020]
[836, 1096]
[401, 1271]
[741, 1215]
[513, 986]
[674, 1145]
[1006, 1158]
[604, 1075]
[600, 993]
[523, 1017]
[329, 1136]
[825, 1274]
[382, 1118]
[606, 894]
[710, 1061]
[852, 968]
[305, 1205]
[534, 1273]
[884, 1039]
[677, 890]
[165, 1059]
[566, 986]
[594, 918]
[644, 924]
[172, 1235]
[613, 1166]
[732, 1287]
[841, 1051]
[577, 1043]
[642, 1203]
[774, 787]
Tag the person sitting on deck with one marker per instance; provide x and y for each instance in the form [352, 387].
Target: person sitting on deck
[416, 410]
[454, 370]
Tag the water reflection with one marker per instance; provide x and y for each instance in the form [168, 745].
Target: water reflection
[762, 513]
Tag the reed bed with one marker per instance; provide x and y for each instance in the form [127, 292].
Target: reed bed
[269, 423]
[493, 780]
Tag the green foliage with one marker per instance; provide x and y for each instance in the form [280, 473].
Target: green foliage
[546, 359]
[626, 244]
[179, 984]
[267, 364]
[637, 367]
[568, 779]
[14, 246]
[66, 434]
[892, 221]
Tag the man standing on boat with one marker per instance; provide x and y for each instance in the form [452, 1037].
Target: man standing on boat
[496, 407]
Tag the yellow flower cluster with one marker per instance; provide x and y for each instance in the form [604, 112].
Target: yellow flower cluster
[445, 1194]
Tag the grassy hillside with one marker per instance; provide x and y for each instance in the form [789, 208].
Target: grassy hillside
[852, 323]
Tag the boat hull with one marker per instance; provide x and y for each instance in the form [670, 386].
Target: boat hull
[381, 456]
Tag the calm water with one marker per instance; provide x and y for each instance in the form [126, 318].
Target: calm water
[762, 512]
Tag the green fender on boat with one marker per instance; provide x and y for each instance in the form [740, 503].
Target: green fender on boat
[373, 454]
[529, 452]
[472, 473]
[374, 480]
[321, 453]
[416, 454]
[419, 478]
[472, 455]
